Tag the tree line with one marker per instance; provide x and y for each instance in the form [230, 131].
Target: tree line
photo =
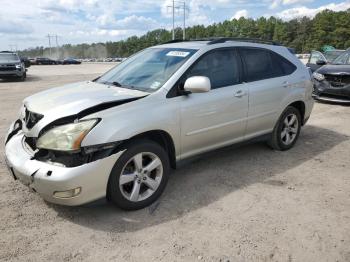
[303, 34]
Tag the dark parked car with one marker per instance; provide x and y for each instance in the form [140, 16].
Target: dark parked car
[32, 61]
[11, 66]
[45, 61]
[332, 81]
[318, 59]
[71, 61]
[26, 61]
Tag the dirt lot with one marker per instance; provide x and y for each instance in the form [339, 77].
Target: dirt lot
[245, 203]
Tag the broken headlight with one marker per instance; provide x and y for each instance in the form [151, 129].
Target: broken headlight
[318, 76]
[66, 137]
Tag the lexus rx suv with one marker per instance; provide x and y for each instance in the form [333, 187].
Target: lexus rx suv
[119, 135]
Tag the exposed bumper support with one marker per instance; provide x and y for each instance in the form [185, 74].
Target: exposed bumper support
[46, 179]
[325, 98]
[324, 91]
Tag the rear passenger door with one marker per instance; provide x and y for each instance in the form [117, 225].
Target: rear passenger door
[267, 76]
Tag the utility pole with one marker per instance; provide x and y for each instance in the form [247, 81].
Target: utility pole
[54, 37]
[57, 47]
[13, 48]
[184, 29]
[173, 7]
[49, 36]
[180, 5]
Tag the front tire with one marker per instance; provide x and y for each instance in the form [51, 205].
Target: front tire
[287, 130]
[139, 176]
[23, 77]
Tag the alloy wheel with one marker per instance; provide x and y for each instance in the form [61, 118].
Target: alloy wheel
[289, 129]
[141, 176]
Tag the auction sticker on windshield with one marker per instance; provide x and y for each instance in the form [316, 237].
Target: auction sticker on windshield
[178, 53]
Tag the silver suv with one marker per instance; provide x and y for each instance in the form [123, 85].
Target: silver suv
[119, 135]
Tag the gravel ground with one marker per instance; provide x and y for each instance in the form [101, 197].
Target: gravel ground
[246, 203]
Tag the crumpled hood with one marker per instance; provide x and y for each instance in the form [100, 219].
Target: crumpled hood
[72, 99]
[334, 70]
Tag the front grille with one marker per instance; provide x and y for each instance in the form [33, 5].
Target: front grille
[338, 80]
[7, 67]
[31, 118]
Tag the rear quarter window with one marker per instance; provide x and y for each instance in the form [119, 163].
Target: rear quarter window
[260, 64]
[286, 66]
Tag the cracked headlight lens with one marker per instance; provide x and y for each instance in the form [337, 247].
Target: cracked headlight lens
[318, 76]
[66, 137]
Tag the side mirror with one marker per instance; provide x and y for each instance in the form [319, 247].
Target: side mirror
[197, 84]
[321, 62]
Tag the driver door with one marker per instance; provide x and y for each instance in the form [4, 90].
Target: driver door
[218, 117]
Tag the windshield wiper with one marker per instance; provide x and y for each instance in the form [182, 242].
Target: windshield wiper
[115, 83]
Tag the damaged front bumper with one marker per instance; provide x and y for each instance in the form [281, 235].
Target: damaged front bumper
[325, 91]
[58, 184]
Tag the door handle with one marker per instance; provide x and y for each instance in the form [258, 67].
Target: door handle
[240, 93]
[285, 84]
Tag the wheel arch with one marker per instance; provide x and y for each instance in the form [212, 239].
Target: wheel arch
[162, 138]
[300, 106]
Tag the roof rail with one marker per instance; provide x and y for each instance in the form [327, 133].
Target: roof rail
[250, 40]
[219, 40]
[189, 40]
[174, 41]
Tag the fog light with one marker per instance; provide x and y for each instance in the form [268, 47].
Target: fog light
[68, 193]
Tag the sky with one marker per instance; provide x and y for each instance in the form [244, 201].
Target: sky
[26, 23]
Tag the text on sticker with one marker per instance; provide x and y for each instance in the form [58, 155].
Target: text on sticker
[178, 53]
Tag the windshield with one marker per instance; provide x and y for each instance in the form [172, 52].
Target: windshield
[147, 70]
[343, 59]
[8, 57]
[331, 55]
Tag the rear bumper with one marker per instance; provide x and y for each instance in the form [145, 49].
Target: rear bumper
[46, 179]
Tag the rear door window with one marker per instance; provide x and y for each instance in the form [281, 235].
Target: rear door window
[257, 63]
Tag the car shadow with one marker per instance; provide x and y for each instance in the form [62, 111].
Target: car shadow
[205, 180]
[30, 78]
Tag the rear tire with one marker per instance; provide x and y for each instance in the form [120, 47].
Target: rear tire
[139, 176]
[287, 130]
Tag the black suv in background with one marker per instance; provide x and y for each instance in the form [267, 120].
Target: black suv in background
[11, 66]
[332, 81]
